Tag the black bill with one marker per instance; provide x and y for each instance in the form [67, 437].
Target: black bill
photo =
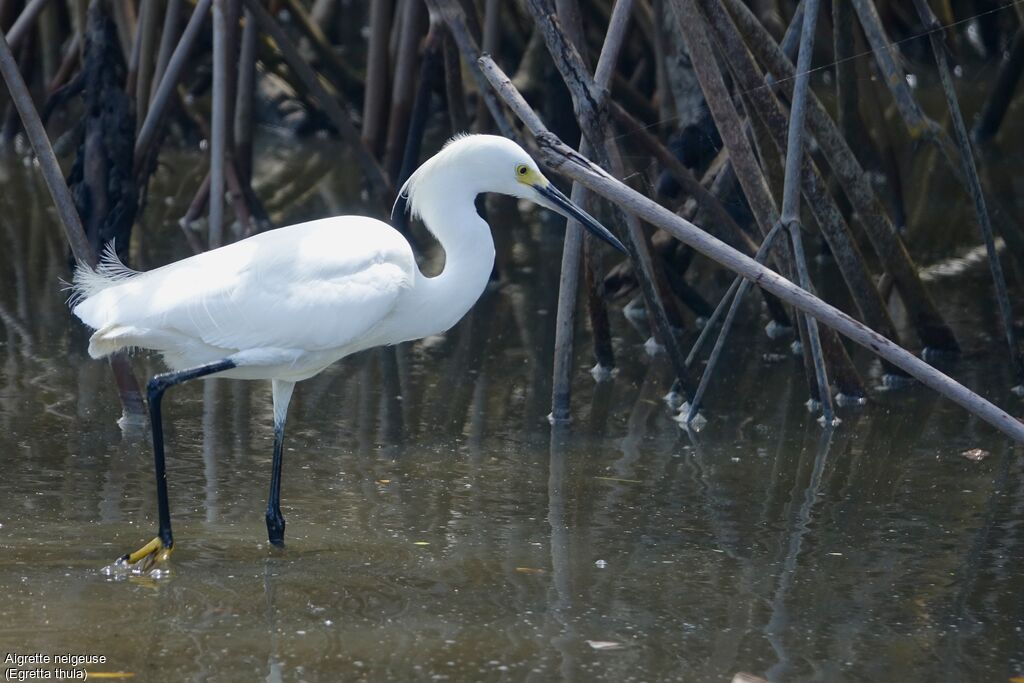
[400, 212]
[563, 205]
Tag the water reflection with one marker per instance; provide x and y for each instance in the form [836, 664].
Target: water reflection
[439, 528]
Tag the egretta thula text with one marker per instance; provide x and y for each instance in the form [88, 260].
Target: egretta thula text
[285, 304]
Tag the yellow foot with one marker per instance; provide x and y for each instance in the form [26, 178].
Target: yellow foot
[146, 558]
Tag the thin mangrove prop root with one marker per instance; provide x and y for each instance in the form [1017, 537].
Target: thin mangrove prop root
[596, 128]
[196, 206]
[925, 318]
[687, 182]
[127, 386]
[244, 101]
[133, 60]
[732, 299]
[431, 69]
[145, 38]
[241, 196]
[843, 28]
[233, 38]
[403, 91]
[791, 193]
[994, 111]
[597, 309]
[67, 66]
[380, 185]
[168, 35]
[700, 195]
[375, 96]
[218, 125]
[572, 249]
[833, 227]
[343, 74]
[966, 154]
[48, 164]
[914, 118]
[490, 43]
[454, 91]
[26, 22]
[918, 124]
[452, 14]
[172, 75]
[604, 72]
[837, 233]
[741, 154]
[125, 20]
[730, 127]
[562, 159]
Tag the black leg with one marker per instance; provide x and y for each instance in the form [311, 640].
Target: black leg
[156, 388]
[275, 520]
[282, 391]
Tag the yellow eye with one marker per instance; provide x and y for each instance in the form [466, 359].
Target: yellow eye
[522, 170]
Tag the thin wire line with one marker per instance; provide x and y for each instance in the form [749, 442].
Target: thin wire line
[778, 81]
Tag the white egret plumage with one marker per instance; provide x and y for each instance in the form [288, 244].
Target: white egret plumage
[285, 304]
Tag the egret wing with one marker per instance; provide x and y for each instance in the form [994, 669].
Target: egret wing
[319, 285]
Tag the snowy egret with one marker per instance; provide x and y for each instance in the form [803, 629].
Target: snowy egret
[285, 304]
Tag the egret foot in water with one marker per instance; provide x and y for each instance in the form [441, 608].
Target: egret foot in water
[275, 528]
[158, 550]
[146, 558]
[287, 303]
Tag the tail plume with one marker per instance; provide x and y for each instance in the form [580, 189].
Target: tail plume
[88, 281]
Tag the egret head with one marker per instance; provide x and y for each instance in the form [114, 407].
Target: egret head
[491, 163]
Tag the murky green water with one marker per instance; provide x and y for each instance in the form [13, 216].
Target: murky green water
[438, 530]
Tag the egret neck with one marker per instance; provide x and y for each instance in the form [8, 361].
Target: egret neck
[451, 216]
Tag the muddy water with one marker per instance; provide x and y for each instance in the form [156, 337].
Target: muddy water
[439, 530]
